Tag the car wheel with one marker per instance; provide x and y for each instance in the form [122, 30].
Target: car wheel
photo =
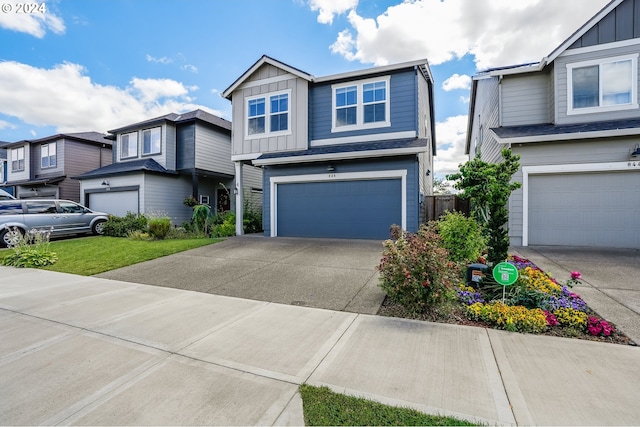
[10, 237]
[98, 227]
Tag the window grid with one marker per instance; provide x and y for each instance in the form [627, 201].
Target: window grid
[268, 115]
[129, 145]
[361, 105]
[48, 155]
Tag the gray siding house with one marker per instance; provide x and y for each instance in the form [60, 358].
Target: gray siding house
[159, 162]
[574, 119]
[344, 156]
[40, 168]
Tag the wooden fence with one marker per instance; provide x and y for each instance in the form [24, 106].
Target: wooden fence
[434, 206]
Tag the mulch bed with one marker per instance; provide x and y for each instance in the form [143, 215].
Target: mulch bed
[455, 315]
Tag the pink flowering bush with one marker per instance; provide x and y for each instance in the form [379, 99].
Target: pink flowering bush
[597, 326]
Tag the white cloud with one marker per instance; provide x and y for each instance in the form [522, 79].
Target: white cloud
[465, 99]
[457, 81]
[190, 67]
[450, 139]
[6, 125]
[328, 9]
[161, 60]
[33, 133]
[65, 97]
[497, 32]
[36, 23]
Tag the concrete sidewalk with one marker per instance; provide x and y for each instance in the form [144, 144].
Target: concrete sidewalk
[93, 351]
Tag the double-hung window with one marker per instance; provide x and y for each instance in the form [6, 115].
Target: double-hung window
[48, 155]
[17, 159]
[268, 115]
[361, 105]
[129, 145]
[151, 141]
[603, 85]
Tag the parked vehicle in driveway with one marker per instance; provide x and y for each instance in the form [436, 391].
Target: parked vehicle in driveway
[62, 217]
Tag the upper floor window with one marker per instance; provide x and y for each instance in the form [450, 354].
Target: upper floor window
[603, 85]
[151, 141]
[268, 115]
[48, 155]
[361, 105]
[17, 159]
[129, 145]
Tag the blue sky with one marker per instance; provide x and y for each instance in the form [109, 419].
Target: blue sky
[101, 64]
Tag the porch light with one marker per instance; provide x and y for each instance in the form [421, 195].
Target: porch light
[635, 155]
[105, 182]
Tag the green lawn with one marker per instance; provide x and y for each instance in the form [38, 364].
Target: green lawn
[322, 407]
[96, 254]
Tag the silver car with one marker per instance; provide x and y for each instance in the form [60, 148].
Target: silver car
[62, 217]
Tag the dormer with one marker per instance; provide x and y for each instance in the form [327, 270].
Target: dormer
[270, 109]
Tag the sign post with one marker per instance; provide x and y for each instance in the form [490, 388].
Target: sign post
[505, 274]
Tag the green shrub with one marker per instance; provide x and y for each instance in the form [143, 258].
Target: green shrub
[461, 236]
[252, 218]
[201, 219]
[159, 227]
[224, 225]
[117, 226]
[415, 270]
[139, 235]
[32, 251]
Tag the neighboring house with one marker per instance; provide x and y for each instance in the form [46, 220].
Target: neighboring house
[345, 155]
[159, 162]
[3, 168]
[42, 168]
[574, 119]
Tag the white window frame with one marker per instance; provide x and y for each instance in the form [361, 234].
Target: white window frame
[47, 148]
[15, 157]
[599, 62]
[126, 155]
[267, 115]
[360, 124]
[151, 131]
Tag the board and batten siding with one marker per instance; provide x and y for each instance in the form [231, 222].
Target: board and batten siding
[486, 116]
[561, 88]
[558, 153]
[298, 120]
[409, 163]
[163, 195]
[622, 23]
[213, 150]
[525, 99]
[403, 106]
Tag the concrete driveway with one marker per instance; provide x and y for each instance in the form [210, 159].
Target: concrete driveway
[335, 274]
[610, 279]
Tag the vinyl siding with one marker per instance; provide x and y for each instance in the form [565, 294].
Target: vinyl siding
[213, 150]
[407, 162]
[403, 106]
[487, 116]
[562, 90]
[162, 196]
[525, 100]
[423, 125]
[185, 146]
[252, 180]
[78, 159]
[21, 175]
[167, 155]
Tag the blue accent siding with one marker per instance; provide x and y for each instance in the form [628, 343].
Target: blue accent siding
[408, 163]
[185, 147]
[402, 105]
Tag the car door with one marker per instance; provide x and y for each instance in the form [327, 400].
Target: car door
[73, 218]
[42, 215]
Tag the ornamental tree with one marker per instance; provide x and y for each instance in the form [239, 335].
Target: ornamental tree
[488, 186]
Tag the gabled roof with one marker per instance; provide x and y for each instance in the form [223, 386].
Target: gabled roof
[87, 137]
[178, 118]
[119, 168]
[259, 63]
[396, 147]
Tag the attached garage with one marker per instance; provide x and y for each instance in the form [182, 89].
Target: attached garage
[584, 209]
[114, 202]
[358, 209]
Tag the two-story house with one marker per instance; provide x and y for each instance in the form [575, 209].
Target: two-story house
[3, 168]
[344, 155]
[43, 167]
[159, 162]
[574, 119]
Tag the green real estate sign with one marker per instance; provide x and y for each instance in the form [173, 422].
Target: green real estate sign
[505, 274]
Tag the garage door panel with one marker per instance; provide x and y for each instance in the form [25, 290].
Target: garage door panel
[114, 202]
[585, 209]
[346, 209]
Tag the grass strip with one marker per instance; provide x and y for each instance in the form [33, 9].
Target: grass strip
[322, 407]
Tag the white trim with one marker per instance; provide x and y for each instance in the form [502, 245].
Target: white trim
[369, 71]
[270, 80]
[568, 136]
[600, 47]
[363, 138]
[359, 105]
[563, 168]
[341, 156]
[346, 176]
[633, 104]
[267, 115]
[241, 157]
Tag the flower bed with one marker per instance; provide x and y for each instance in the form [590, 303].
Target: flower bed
[536, 303]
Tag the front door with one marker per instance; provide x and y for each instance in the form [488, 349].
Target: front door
[223, 200]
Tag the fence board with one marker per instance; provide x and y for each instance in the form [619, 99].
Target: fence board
[435, 206]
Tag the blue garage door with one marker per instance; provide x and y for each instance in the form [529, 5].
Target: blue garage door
[362, 209]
